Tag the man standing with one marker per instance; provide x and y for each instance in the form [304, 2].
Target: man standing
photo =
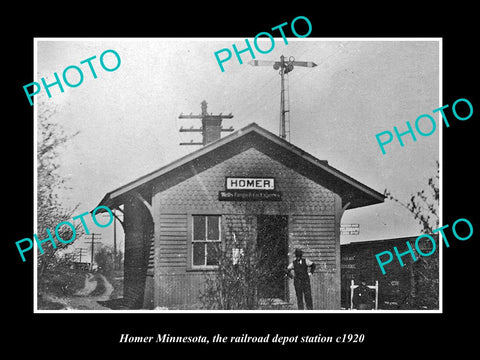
[362, 297]
[302, 270]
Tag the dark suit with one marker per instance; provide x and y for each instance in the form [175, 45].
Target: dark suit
[301, 281]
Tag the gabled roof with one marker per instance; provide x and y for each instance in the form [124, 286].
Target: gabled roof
[255, 136]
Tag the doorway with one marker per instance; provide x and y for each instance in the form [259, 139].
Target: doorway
[272, 246]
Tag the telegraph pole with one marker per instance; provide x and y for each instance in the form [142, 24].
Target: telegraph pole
[93, 243]
[285, 67]
[208, 120]
[114, 241]
[80, 253]
[114, 237]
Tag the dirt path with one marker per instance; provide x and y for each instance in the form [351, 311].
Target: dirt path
[82, 300]
[90, 285]
[108, 290]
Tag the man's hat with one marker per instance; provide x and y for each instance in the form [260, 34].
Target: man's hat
[298, 252]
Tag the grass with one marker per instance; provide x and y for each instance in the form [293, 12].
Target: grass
[61, 281]
[44, 304]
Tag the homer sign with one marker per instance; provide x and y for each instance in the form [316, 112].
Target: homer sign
[244, 183]
[249, 189]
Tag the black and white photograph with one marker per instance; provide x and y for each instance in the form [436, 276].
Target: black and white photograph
[222, 185]
[270, 183]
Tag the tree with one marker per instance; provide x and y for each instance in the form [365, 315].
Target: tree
[119, 260]
[50, 210]
[105, 260]
[234, 284]
[423, 205]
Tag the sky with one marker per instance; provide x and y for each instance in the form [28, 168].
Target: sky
[128, 121]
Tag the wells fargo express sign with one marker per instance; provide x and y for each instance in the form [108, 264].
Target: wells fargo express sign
[249, 189]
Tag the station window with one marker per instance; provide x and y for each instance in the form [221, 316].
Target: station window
[206, 240]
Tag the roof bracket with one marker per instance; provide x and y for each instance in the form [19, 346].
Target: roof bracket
[344, 208]
[118, 219]
[139, 197]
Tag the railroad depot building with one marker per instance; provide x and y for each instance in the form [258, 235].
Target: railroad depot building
[251, 185]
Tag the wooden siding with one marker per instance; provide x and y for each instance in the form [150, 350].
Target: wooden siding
[200, 193]
[325, 294]
[151, 258]
[172, 248]
[313, 222]
[181, 290]
[315, 235]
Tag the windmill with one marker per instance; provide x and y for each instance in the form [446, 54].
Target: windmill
[285, 67]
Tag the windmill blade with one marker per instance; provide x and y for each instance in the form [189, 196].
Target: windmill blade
[263, 62]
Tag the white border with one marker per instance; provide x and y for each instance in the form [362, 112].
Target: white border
[345, 312]
[35, 180]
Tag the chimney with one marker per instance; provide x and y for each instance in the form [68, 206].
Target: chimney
[211, 126]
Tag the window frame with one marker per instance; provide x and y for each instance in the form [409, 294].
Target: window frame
[191, 240]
